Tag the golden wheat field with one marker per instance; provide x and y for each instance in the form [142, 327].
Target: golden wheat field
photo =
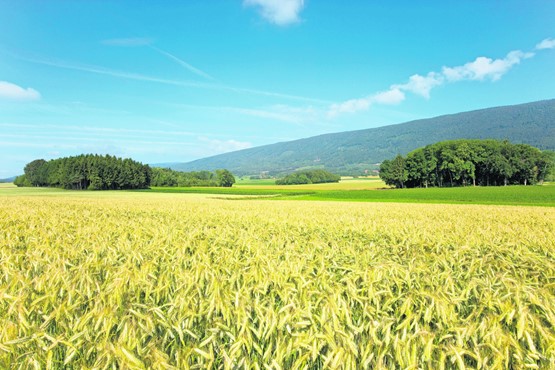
[163, 281]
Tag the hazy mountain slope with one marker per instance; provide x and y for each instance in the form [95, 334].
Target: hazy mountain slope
[354, 151]
[9, 179]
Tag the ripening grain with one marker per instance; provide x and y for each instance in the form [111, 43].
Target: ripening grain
[172, 281]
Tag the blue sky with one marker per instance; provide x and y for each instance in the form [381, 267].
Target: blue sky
[174, 81]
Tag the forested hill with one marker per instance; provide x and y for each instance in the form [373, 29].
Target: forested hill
[9, 179]
[352, 152]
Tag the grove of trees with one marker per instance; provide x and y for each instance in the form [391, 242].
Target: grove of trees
[96, 172]
[168, 177]
[87, 171]
[469, 162]
[308, 177]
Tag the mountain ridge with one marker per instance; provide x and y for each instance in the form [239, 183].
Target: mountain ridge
[8, 179]
[354, 152]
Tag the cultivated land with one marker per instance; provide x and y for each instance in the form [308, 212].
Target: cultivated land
[348, 190]
[168, 280]
[374, 190]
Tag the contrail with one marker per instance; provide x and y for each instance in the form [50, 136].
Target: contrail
[140, 77]
[183, 63]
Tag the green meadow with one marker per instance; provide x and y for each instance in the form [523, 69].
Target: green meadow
[510, 195]
[373, 190]
[348, 190]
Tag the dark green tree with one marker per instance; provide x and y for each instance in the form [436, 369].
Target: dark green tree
[465, 162]
[22, 181]
[317, 176]
[393, 172]
[169, 178]
[35, 172]
[89, 171]
[225, 178]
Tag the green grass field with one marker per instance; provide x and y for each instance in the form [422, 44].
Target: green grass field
[373, 190]
[349, 190]
[510, 195]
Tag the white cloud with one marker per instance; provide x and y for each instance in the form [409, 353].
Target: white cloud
[216, 146]
[485, 68]
[280, 12]
[482, 68]
[349, 106]
[391, 96]
[10, 91]
[129, 42]
[421, 85]
[546, 44]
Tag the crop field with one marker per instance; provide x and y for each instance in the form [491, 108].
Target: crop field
[344, 184]
[153, 280]
[506, 195]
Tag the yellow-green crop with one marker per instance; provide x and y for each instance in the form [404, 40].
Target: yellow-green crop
[163, 281]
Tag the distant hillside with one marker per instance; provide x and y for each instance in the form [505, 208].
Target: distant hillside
[352, 152]
[9, 179]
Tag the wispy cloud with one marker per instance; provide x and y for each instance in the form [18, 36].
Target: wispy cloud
[147, 78]
[421, 85]
[280, 12]
[297, 115]
[261, 113]
[482, 68]
[183, 63]
[119, 74]
[97, 131]
[389, 97]
[278, 95]
[13, 92]
[548, 43]
[48, 140]
[147, 41]
[280, 112]
[129, 42]
[216, 146]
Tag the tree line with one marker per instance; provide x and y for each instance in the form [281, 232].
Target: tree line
[97, 172]
[168, 177]
[469, 162]
[308, 177]
[86, 171]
